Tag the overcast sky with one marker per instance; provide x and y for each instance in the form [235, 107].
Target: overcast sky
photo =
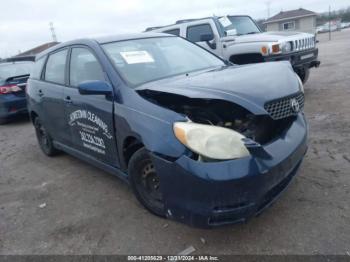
[25, 24]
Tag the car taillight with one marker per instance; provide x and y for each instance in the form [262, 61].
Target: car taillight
[9, 89]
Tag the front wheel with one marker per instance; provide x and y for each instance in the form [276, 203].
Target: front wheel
[44, 139]
[145, 182]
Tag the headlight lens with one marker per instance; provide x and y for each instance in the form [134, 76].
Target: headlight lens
[287, 47]
[211, 141]
[276, 48]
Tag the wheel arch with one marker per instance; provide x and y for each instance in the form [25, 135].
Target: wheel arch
[33, 115]
[130, 145]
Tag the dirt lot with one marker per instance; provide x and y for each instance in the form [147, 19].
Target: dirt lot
[90, 212]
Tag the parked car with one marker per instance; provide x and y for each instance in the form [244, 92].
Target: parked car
[239, 39]
[13, 78]
[322, 29]
[345, 25]
[199, 140]
[326, 28]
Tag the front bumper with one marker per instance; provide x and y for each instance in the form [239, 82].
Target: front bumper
[12, 105]
[298, 60]
[227, 192]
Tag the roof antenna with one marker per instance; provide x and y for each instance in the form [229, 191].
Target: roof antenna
[53, 34]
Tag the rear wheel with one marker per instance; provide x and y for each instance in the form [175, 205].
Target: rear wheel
[44, 139]
[145, 182]
[3, 121]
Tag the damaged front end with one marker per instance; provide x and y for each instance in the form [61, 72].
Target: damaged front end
[257, 129]
[217, 191]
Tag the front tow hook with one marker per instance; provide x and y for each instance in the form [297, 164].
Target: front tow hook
[315, 64]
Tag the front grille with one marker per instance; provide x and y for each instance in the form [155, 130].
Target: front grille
[303, 44]
[282, 108]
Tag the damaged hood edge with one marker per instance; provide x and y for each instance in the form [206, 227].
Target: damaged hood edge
[207, 93]
[250, 86]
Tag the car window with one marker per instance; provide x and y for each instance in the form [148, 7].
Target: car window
[144, 60]
[173, 32]
[37, 68]
[55, 67]
[84, 67]
[15, 69]
[194, 32]
[238, 25]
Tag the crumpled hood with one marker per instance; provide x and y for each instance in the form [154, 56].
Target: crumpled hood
[250, 86]
[267, 37]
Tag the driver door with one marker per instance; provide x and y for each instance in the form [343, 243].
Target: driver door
[89, 117]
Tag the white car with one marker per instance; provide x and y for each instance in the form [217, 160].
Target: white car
[238, 39]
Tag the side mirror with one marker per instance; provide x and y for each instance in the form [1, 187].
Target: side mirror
[231, 32]
[206, 37]
[95, 87]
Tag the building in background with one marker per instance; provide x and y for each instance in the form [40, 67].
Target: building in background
[36, 50]
[300, 20]
[30, 54]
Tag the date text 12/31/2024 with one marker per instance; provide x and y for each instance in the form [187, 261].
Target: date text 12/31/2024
[174, 258]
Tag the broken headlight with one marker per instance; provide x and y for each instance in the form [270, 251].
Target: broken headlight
[211, 142]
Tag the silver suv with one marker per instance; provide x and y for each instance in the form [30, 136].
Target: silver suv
[239, 40]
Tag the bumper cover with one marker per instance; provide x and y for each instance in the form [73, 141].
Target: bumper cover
[213, 194]
[307, 58]
[12, 105]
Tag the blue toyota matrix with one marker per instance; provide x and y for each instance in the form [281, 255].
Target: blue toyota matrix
[199, 140]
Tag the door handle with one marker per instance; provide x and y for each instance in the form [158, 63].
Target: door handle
[68, 100]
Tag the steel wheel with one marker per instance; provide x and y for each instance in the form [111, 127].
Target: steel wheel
[146, 182]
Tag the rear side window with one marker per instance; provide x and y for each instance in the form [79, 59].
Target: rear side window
[55, 67]
[37, 69]
[84, 66]
[173, 32]
[194, 32]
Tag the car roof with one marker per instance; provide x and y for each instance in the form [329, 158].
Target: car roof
[115, 38]
[184, 21]
[103, 40]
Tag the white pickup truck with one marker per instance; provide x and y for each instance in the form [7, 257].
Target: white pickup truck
[239, 40]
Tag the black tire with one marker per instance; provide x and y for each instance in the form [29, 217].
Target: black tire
[145, 182]
[304, 74]
[44, 139]
[3, 121]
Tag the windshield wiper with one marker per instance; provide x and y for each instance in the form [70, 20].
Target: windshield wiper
[251, 33]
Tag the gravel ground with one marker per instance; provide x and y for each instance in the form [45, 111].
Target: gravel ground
[64, 206]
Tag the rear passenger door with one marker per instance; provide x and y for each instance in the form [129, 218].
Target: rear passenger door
[90, 117]
[50, 93]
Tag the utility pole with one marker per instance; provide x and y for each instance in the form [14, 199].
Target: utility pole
[268, 9]
[329, 23]
[53, 34]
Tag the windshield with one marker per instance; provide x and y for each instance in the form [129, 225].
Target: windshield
[144, 60]
[238, 25]
[15, 69]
